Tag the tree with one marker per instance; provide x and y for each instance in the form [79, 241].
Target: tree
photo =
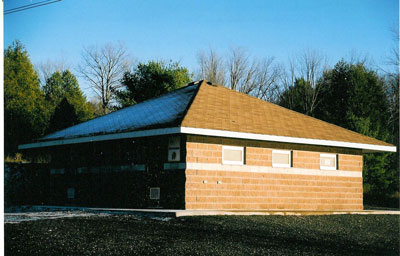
[46, 69]
[254, 77]
[64, 116]
[354, 97]
[151, 80]
[212, 67]
[351, 91]
[308, 66]
[96, 107]
[62, 85]
[297, 97]
[25, 110]
[103, 68]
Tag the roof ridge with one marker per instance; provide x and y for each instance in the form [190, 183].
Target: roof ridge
[293, 111]
[198, 83]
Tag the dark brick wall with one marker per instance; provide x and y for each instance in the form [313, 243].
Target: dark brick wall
[26, 184]
[103, 174]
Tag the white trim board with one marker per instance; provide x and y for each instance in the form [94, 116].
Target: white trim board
[253, 136]
[116, 136]
[275, 170]
[210, 132]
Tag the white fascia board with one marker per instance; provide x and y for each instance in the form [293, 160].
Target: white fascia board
[116, 136]
[253, 136]
[210, 132]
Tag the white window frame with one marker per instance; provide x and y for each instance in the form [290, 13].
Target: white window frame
[233, 162]
[327, 167]
[288, 152]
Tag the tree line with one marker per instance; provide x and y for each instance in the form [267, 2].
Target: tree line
[351, 94]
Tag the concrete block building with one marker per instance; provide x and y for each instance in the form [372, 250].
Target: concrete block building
[205, 146]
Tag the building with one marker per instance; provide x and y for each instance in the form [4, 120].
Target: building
[207, 147]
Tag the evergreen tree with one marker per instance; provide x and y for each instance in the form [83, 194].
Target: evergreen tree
[151, 80]
[64, 116]
[62, 85]
[297, 97]
[25, 110]
[354, 97]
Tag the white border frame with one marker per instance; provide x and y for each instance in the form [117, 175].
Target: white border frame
[233, 162]
[286, 152]
[327, 167]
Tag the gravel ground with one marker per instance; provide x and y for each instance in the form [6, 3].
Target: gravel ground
[209, 235]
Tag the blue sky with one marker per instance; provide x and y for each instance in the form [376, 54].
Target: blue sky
[178, 29]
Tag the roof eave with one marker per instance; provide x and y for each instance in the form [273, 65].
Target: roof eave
[105, 137]
[366, 148]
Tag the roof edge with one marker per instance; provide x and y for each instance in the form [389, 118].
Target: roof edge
[367, 148]
[113, 136]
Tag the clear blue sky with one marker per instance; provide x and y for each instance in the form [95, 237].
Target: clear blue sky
[179, 29]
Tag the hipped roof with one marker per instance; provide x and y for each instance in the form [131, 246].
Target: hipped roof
[213, 110]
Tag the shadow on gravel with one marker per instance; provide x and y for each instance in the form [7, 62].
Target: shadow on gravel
[211, 235]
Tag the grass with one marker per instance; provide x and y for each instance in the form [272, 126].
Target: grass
[209, 235]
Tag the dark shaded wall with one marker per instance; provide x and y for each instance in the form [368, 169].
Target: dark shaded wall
[26, 184]
[116, 173]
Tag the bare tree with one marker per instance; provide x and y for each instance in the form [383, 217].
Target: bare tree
[392, 84]
[355, 57]
[245, 73]
[266, 80]
[252, 76]
[287, 80]
[241, 71]
[393, 59]
[212, 67]
[103, 67]
[310, 65]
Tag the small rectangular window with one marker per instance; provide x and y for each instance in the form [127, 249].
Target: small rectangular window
[232, 155]
[281, 158]
[328, 162]
[154, 193]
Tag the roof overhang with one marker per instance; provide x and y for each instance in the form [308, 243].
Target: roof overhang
[366, 148]
[114, 136]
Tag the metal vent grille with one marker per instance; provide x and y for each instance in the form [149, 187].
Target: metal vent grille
[155, 193]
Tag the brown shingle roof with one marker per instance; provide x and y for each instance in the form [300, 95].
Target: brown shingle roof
[219, 108]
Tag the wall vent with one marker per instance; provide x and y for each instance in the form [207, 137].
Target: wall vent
[71, 193]
[154, 193]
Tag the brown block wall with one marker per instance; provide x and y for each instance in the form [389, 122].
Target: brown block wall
[231, 190]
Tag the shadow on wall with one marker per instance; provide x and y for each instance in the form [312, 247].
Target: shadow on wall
[37, 184]
[25, 184]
